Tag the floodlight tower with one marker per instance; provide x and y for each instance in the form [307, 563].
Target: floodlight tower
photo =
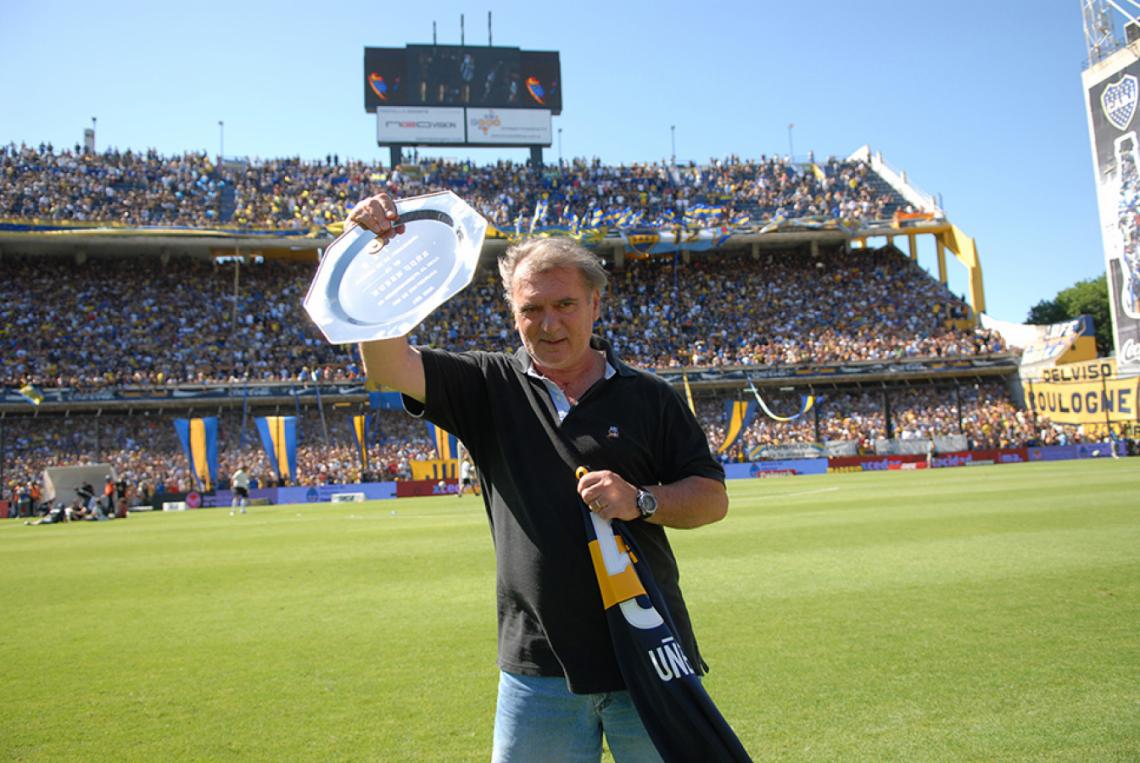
[1100, 36]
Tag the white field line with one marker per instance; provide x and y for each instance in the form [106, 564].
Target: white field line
[809, 492]
[394, 516]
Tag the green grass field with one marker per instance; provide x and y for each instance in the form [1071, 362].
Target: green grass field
[962, 614]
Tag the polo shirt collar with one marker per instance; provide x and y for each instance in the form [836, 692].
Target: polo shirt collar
[614, 365]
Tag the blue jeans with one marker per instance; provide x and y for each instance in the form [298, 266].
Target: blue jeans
[538, 719]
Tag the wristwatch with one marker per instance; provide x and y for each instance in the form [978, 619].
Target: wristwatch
[646, 503]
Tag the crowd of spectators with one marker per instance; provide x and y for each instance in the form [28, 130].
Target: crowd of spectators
[41, 183]
[144, 449]
[144, 321]
[132, 188]
[146, 454]
[988, 418]
[723, 192]
[124, 321]
[128, 320]
[786, 308]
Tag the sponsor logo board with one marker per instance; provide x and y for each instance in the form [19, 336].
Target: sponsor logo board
[509, 126]
[411, 125]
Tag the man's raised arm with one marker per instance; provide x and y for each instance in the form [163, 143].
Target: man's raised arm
[391, 362]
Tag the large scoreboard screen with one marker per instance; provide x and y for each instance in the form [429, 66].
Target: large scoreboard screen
[462, 76]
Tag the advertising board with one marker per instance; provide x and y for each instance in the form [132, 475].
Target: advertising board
[412, 125]
[508, 127]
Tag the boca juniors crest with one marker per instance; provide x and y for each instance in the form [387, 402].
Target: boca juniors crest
[1119, 101]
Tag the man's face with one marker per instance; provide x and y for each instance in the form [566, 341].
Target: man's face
[555, 312]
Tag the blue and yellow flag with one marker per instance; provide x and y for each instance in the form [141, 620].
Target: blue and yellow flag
[807, 402]
[540, 209]
[199, 438]
[689, 393]
[640, 241]
[32, 394]
[739, 414]
[360, 430]
[679, 715]
[279, 438]
[446, 444]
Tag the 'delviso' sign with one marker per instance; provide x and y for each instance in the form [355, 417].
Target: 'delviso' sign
[1083, 393]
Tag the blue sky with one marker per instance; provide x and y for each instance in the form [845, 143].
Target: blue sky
[978, 101]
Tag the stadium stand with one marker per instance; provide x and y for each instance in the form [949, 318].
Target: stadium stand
[68, 325]
[125, 322]
[988, 419]
[136, 188]
[145, 450]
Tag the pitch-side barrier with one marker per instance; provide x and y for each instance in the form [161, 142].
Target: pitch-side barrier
[791, 467]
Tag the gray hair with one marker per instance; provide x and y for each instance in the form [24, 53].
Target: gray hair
[544, 254]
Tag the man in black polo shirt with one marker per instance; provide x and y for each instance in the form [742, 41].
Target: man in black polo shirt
[648, 460]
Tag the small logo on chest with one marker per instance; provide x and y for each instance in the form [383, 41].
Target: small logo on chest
[613, 434]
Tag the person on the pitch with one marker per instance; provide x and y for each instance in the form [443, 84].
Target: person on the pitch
[239, 483]
[467, 481]
[560, 688]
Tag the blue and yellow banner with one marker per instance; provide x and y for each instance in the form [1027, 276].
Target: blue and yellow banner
[739, 414]
[360, 430]
[540, 209]
[435, 469]
[676, 710]
[640, 241]
[807, 402]
[689, 393]
[446, 444]
[32, 394]
[279, 438]
[199, 438]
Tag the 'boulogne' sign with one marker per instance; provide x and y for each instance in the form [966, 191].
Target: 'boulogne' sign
[1083, 393]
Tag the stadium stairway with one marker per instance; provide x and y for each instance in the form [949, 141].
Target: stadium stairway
[881, 187]
[227, 200]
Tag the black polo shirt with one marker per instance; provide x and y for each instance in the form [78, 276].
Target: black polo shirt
[551, 620]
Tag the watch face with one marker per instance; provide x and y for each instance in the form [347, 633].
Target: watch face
[646, 502]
